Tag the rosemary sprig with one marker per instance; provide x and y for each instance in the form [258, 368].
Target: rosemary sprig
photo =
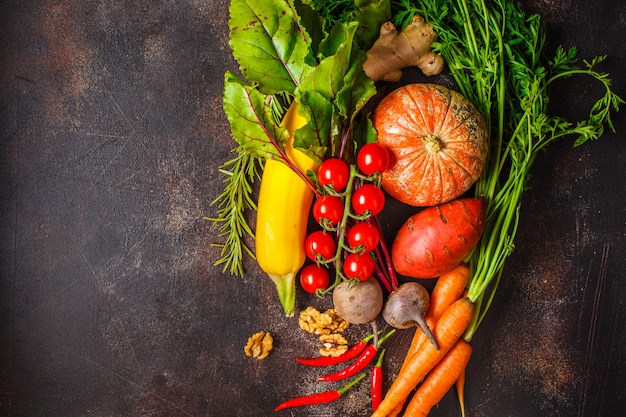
[234, 204]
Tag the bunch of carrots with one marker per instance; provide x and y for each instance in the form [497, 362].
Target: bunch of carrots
[434, 371]
[495, 52]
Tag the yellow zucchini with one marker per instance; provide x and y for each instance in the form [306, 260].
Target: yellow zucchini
[282, 215]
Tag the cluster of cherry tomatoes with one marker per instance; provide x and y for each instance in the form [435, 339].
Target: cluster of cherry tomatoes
[351, 195]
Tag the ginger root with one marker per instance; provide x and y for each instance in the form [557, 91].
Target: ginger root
[395, 50]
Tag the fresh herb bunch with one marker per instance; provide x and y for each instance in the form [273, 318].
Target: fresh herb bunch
[287, 51]
[233, 203]
[497, 56]
[333, 12]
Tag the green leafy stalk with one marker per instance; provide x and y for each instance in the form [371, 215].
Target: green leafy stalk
[496, 54]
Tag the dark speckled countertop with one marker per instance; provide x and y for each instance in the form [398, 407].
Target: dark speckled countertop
[111, 133]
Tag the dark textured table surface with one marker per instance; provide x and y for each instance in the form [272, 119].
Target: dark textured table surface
[111, 133]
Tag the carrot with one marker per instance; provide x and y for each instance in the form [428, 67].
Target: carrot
[449, 288]
[439, 381]
[450, 327]
[396, 411]
[460, 391]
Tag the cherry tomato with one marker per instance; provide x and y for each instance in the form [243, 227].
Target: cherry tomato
[334, 172]
[328, 207]
[365, 235]
[372, 157]
[321, 244]
[359, 267]
[368, 197]
[313, 278]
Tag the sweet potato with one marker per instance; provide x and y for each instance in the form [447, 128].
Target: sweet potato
[436, 239]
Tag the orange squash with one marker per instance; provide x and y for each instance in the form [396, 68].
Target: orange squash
[437, 142]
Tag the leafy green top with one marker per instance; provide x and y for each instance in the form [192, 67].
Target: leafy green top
[287, 51]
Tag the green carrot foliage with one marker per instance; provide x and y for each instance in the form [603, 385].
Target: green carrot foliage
[497, 56]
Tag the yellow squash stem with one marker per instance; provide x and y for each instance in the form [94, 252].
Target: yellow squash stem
[282, 215]
[286, 288]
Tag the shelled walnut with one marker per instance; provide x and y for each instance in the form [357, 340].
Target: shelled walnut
[313, 321]
[259, 345]
[333, 345]
[337, 325]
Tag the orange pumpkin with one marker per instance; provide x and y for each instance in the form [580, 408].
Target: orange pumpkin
[437, 142]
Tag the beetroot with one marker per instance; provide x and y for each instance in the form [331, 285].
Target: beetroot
[358, 302]
[436, 239]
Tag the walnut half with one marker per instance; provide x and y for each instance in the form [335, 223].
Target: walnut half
[259, 345]
[313, 321]
[333, 345]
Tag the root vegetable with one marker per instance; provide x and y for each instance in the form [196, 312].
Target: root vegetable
[406, 307]
[460, 391]
[358, 303]
[449, 329]
[395, 50]
[439, 380]
[449, 288]
[437, 239]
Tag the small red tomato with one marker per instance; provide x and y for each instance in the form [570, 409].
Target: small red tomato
[334, 172]
[372, 157]
[313, 278]
[368, 198]
[364, 235]
[328, 207]
[320, 244]
[359, 267]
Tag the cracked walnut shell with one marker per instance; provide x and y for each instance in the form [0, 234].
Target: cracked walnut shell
[259, 345]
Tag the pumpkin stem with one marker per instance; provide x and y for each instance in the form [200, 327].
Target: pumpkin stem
[433, 143]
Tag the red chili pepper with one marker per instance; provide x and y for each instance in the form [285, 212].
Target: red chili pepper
[320, 397]
[377, 381]
[359, 364]
[351, 353]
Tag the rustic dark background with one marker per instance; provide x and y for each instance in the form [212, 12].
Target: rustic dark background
[111, 133]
